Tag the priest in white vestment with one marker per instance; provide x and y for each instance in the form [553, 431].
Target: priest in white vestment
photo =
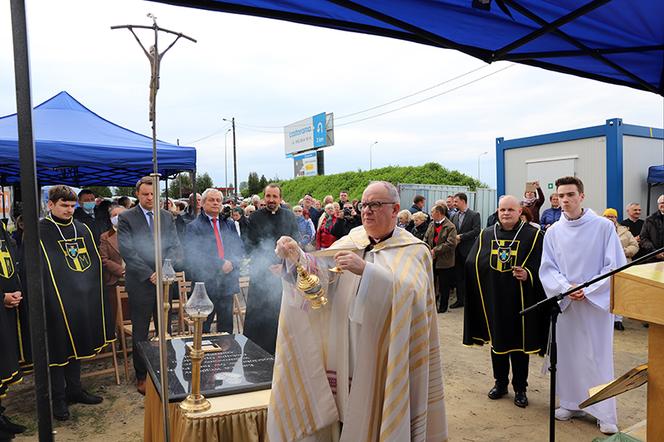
[578, 248]
[366, 366]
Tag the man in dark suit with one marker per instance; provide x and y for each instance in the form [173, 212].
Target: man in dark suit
[468, 225]
[214, 252]
[85, 212]
[136, 241]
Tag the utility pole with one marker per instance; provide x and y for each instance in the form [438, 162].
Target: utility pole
[155, 57]
[235, 190]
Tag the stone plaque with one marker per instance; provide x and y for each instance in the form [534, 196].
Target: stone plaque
[240, 366]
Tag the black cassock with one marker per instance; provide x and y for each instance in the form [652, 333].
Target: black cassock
[495, 298]
[264, 296]
[9, 282]
[78, 315]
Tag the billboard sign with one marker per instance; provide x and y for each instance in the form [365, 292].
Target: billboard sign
[310, 133]
[305, 164]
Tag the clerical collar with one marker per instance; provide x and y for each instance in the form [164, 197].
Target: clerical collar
[583, 212]
[375, 241]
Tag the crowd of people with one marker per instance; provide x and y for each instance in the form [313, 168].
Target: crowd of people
[420, 256]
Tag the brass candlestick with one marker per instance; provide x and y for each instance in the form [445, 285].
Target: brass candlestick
[198, 308]
[168, 277]
[311, 287]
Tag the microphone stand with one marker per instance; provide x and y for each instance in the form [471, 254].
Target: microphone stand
[552, 304]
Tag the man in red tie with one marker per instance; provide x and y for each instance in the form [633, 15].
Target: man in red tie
[214, 251]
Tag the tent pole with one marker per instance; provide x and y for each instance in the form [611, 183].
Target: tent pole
[30, 197]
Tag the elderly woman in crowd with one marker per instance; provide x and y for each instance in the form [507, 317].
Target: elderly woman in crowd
[305, 227]
[113, 268]
[629, 245]
[324, 236]
[403, 218]
[249, 210]
[419, 225]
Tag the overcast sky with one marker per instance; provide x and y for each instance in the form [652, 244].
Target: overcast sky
[269, 73]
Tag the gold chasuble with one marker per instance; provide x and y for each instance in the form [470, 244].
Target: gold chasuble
[370, 358]
[78, 316]
[9, 283]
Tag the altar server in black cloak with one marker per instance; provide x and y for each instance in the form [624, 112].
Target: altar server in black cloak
[501, 280]
[78, 315]
[266, 226]
[10, 289]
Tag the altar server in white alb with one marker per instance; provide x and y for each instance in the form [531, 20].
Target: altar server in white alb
[366, 366]
[581, 246]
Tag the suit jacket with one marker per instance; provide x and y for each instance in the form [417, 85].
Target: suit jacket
[137, 249]
[111, 259]
[203, 262]
[445, 244]
[469, 231]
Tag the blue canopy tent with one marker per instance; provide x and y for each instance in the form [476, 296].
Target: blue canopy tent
[614, 41]
[655, 178]
[78, 147]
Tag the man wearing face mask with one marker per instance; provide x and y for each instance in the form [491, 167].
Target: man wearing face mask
[85, 212]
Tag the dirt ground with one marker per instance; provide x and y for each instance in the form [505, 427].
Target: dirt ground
[471, 415]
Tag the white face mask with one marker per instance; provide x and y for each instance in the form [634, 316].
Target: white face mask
[114, 220]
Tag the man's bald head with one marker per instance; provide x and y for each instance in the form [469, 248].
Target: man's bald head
[509, 211]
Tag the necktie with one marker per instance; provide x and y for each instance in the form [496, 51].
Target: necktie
[217, 237]
[150, 221]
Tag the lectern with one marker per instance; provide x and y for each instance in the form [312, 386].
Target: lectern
[638, 293]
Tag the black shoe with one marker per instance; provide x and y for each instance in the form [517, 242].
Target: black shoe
[83, 397]
[497, 392]
[60, 410]
[442, 310]
[618, 325]
[9, 426]
[520, 399]
[4, 436]
[457, 305]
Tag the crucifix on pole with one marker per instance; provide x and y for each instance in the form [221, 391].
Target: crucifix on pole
[155, 57]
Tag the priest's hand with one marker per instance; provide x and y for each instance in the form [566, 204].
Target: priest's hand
[227, 267]
[12, 299]
[153, 278]
[347, 260]
[520, 273]
[287, 248]
[577, 295]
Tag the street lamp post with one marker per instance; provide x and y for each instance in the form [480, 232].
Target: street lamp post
[370, 156]
[478, 164]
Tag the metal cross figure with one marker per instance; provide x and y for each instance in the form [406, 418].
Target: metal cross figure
[155, 60]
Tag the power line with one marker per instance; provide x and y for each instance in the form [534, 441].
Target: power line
[424, 99]
[217, 132]
[414, 93]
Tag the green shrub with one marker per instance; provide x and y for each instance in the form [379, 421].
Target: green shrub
[355, 182]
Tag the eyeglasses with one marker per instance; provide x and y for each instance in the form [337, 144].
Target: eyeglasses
[372, 206]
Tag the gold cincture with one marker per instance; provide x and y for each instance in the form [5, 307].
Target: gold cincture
[311, 287]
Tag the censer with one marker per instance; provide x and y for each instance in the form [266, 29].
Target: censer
[311, 287]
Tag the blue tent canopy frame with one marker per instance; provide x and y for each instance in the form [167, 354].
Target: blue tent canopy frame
[76, 146]
[614, 41]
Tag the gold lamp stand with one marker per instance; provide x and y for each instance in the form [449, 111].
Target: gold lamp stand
[196, 402]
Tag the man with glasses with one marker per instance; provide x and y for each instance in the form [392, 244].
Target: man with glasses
[351, 360]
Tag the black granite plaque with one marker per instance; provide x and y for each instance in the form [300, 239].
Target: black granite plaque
[239, 367]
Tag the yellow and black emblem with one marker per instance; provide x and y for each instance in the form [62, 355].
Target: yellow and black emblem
[6, 263]
[503, 254]
[76, 254]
